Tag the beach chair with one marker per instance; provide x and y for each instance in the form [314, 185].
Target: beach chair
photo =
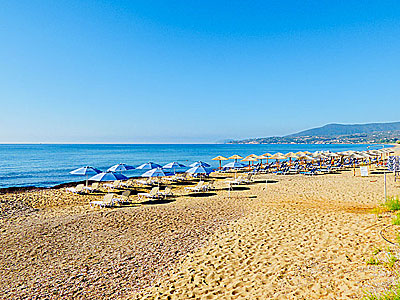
[173, 178]
[128, 183]
[248, 179]
[124, 198]
[166, 193]
[94, 188]
[108, 201]
[197, 188]
[238, 180]
[79, 189]
[145, 182]
[113, 185]
[312, 172]
[153, 194]
[210, 186]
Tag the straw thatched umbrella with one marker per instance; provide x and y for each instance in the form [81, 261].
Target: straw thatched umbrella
[250, 158]
[220, 158]
[261, 157]
[267, 155]
[277, 156]
[235, 157]
[290, 155]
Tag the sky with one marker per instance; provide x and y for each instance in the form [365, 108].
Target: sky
[193, 71]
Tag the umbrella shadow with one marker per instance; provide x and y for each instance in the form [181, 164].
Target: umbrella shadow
[202, 194]
[380, 172]
[238, 188]
[157, 201]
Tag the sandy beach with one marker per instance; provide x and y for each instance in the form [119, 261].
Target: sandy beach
[296, 237]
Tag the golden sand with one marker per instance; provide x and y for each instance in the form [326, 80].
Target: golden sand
[296, 238]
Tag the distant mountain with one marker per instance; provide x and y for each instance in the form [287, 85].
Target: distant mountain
[341, 129]
[335, 134]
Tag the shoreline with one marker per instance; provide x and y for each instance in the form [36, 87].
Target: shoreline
[12, 189]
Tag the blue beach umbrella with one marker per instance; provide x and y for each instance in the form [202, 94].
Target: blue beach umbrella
[120, 167]
[85, 171]
[174, 165]
[201, 164]
[234, 165]
[156, 172]
[199, 170]
[148, 166]
[108, 176]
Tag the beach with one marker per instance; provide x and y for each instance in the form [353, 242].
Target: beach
[295, 237]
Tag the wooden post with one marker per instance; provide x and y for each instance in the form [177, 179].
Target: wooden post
[385, 188]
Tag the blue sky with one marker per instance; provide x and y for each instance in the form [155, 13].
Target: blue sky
[194, 71]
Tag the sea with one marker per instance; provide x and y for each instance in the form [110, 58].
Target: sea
[47, 165]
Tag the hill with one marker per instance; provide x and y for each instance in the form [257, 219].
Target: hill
[336, 134]
[342, 129]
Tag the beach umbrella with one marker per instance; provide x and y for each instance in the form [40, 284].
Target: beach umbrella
[174, 165]
[199, 170]
[332, 154]
[108, 176]
[267, 155]
[148, 166]
[85, 171]
[306, 157]
[234, 165]
[235, 157]
[156, 172]
[249, 159]
[220, 158]
[120, 168]
[290, 155]
[261, 157]
[200, 163]
[277, 156]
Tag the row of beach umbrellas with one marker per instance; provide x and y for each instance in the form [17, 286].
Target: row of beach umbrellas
[151, 170]
[301, 155]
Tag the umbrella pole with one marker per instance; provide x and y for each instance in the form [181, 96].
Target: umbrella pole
[86, 180]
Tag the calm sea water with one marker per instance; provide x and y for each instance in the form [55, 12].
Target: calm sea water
[48, 165]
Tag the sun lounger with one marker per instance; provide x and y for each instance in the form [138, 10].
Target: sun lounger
[108, 201]
[94, 188]
[124, 198]
[113, 185]
[128, 183]
[145, 182]
[209, 186]
[76, 190]
[152, 194]
[248, 179]
[238, 180]
[167, 192]
[197, 188]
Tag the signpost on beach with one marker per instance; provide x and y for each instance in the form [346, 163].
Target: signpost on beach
[364, 171]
